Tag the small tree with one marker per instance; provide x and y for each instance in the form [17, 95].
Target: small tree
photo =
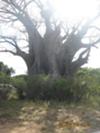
[5, 69]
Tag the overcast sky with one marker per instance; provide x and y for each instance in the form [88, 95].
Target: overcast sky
[17, 63]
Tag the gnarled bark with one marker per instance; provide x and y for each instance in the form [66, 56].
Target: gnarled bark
[50, 53]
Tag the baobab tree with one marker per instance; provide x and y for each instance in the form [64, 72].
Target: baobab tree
[46, 44]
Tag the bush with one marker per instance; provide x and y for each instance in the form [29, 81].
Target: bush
[36, 86]
[89, 83]
[19, 82]
[85, 85]
[77, 89]
[46, 88]
[7, 92]
[4, 78]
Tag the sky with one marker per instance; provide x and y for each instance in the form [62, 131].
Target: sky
[17, 63]
[78, 6]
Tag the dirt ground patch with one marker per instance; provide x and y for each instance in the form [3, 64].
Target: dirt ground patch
[50, 118]
[24, 127]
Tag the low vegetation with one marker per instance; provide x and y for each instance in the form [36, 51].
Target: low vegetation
[84, 86]
[50, 105]
[47, 117]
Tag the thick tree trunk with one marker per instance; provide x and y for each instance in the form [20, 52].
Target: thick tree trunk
[51, 53]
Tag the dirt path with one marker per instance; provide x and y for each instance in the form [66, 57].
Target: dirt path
[31, 127]
[15, 127]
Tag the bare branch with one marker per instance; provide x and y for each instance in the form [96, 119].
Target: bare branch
[27, 4]
[10, 40]
[9, 51]
[39, 4]
[87, 25]
[95, 27]
[93, 44]
[80, 61]
[97, 41]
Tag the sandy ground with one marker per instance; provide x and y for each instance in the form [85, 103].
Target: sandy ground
[67, 122]
[51, 119]
[15, 127]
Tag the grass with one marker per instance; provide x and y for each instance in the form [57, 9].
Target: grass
[15, 108]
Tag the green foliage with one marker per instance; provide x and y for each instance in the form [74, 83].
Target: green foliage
[20, 84]
[36, 86]
[4, 78]
[84, 86]
[91, 78]
[5, 69]
[46, 88]
[7, 91]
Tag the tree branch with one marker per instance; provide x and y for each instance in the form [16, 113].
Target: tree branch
[75, 65]
[9, 51]
[10, 40]
[87, 25]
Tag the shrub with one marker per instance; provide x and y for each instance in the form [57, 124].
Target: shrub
[7, 91]
[46, 88]
[89, 83]
[36, 86]
[19, 82]
[85, 85]
[4, 78]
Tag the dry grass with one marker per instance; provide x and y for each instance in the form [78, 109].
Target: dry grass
[47, 117]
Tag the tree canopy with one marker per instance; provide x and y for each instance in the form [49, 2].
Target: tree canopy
[46, 43]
